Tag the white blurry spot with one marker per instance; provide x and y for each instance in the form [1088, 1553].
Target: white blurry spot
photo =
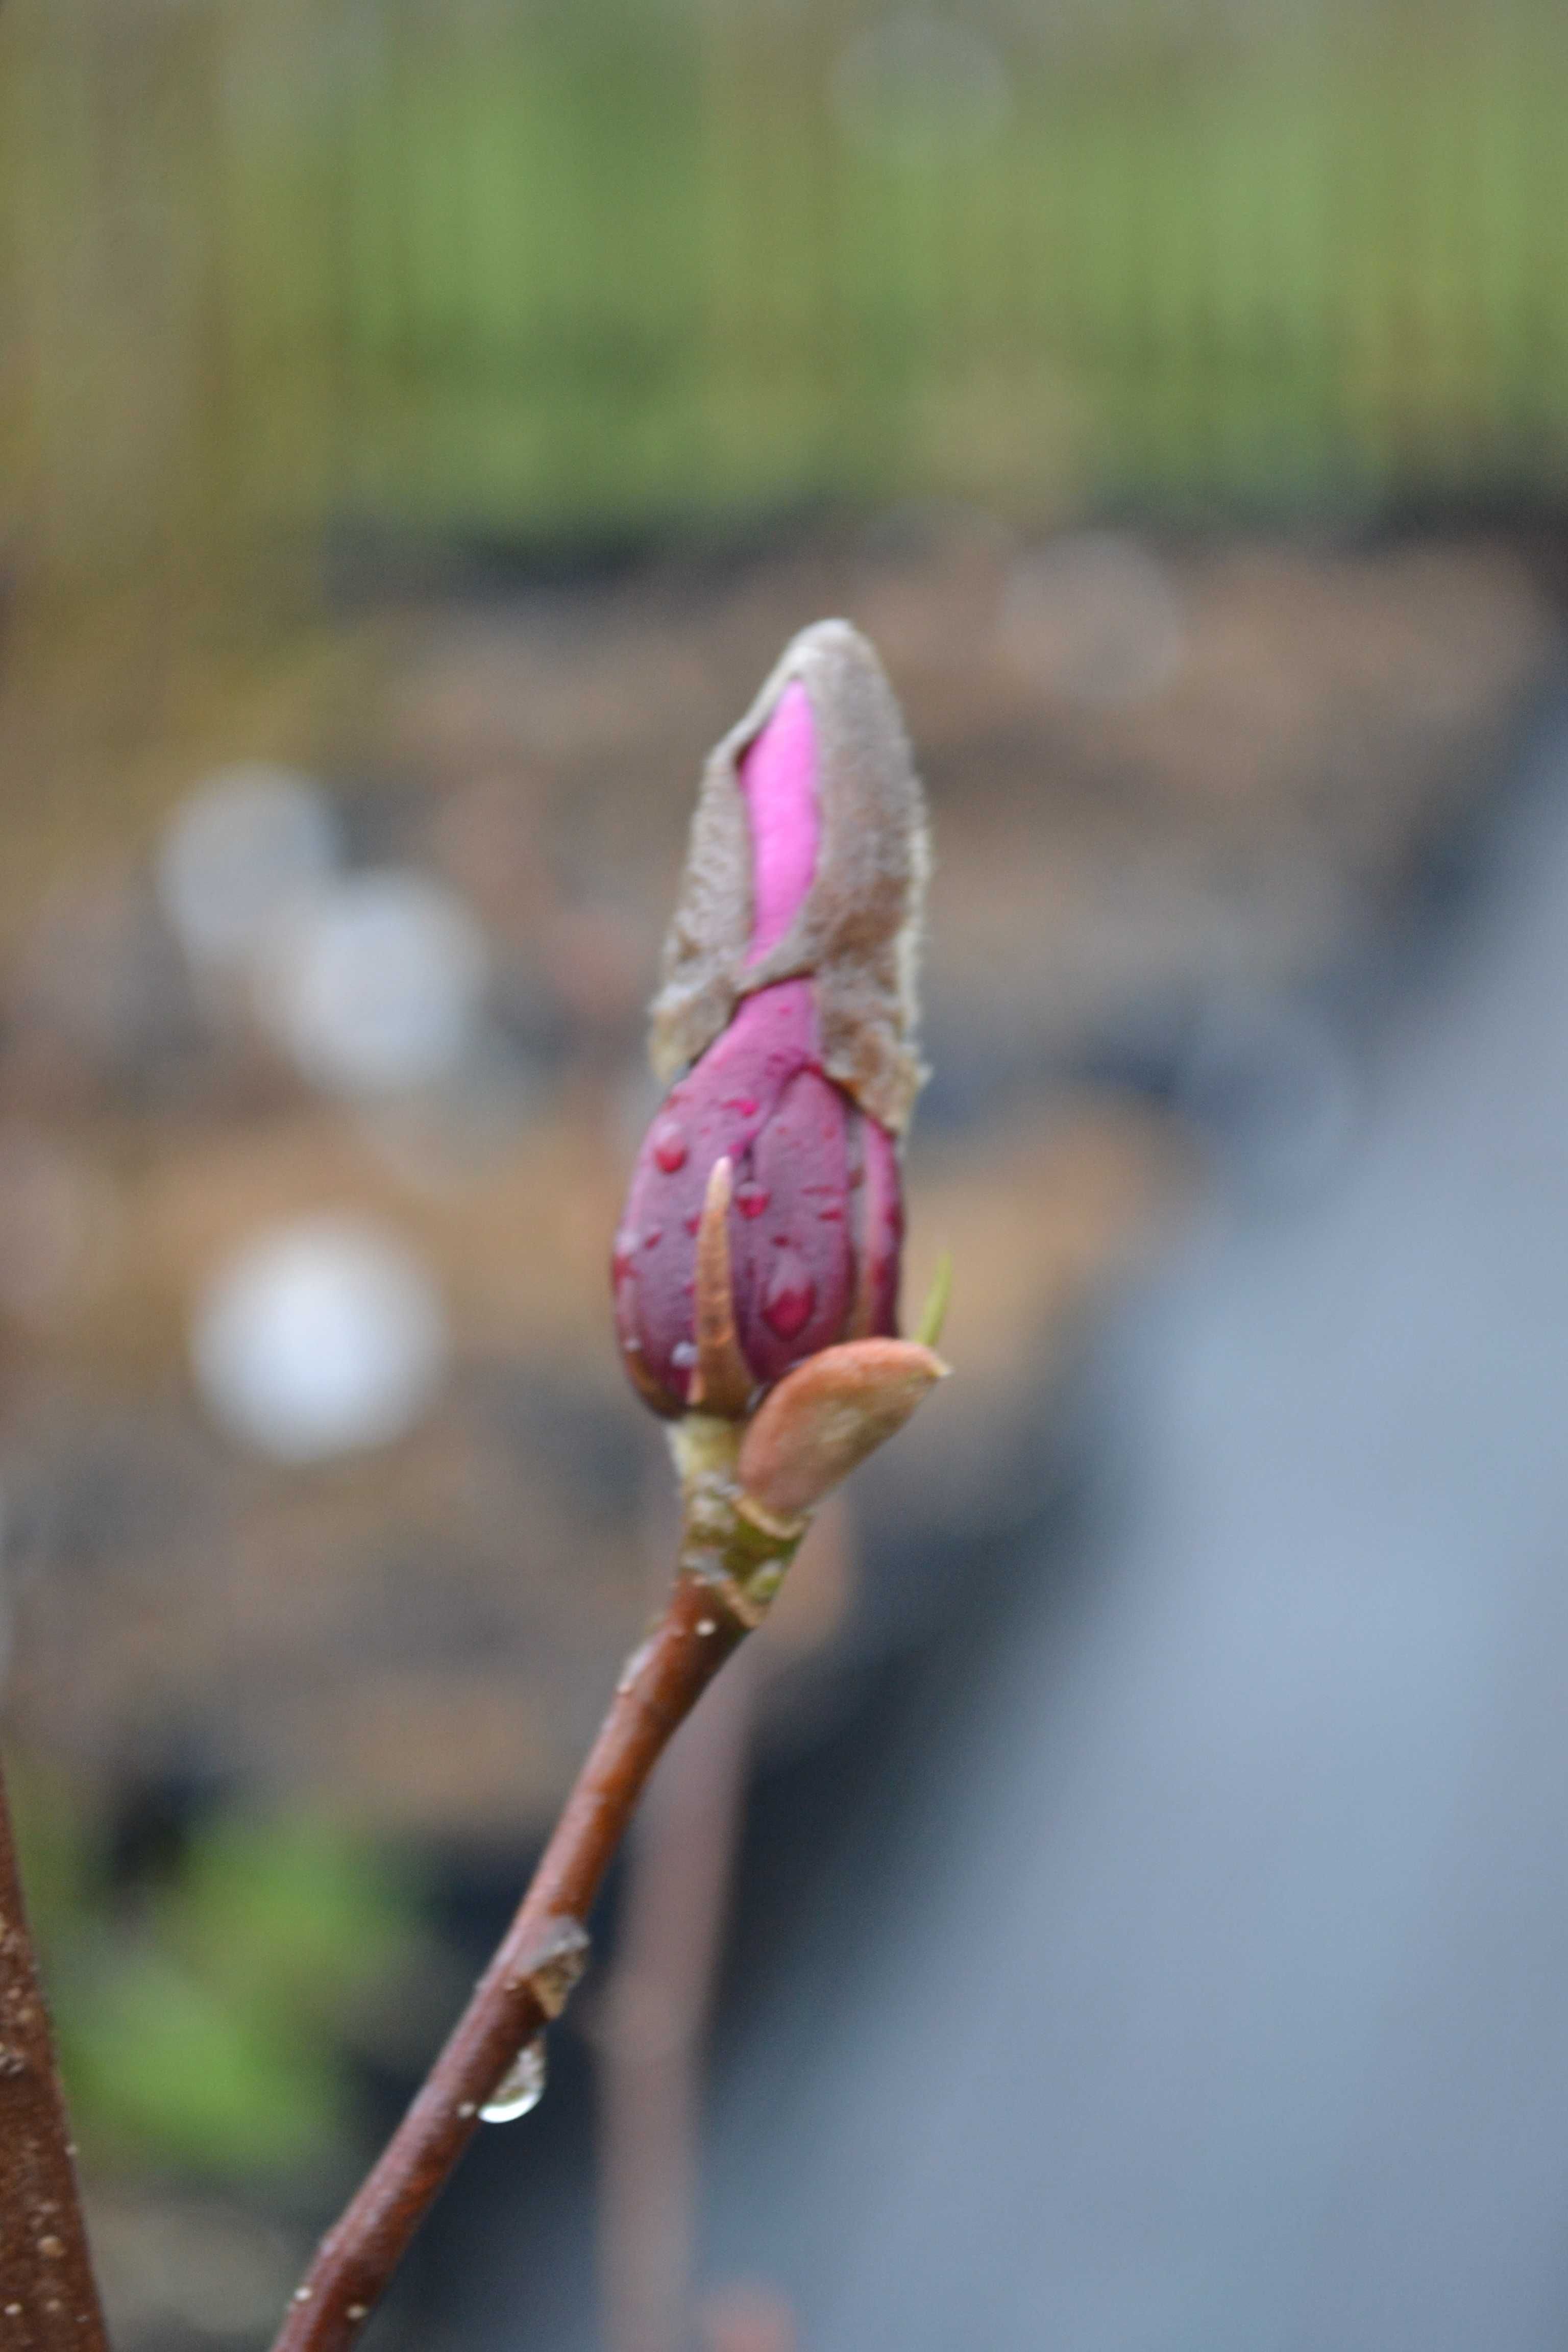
[917, 87]
[320, 1338]
[1093, 618]
[249, 843]
[376, 986]
[520, 2088]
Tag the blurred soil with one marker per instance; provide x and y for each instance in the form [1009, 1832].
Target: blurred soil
[1167, 783]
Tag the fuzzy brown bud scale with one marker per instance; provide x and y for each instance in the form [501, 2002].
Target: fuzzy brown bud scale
[855, 929]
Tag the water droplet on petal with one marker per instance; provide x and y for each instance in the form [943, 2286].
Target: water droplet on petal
[790, 1297]
[683, 1355]
[752, 1199]
[520, 2088]
[670, 1146]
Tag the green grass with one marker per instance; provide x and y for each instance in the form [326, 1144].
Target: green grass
[201, 2014]
[509, 266]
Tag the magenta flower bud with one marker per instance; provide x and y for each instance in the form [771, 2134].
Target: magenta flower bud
[764, 1217]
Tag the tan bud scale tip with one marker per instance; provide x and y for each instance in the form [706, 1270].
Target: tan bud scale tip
[823, 1417]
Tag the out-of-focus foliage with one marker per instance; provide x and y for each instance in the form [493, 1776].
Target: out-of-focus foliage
[506, 268]
[203, 2012]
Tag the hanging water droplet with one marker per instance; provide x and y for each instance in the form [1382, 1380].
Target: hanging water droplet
[791, 1295]
[520, 2088]
[752, 1199]
[670, 1146]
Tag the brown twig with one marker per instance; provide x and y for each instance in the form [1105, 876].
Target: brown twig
[48, 2300]
[523, 1987]
[735, 1546]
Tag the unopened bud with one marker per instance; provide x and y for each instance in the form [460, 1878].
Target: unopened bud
[789, 975]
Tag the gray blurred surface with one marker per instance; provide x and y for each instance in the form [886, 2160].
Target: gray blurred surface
[1202, 1985]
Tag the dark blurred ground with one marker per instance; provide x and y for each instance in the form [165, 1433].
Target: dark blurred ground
[1188, 800]
[1171, 787]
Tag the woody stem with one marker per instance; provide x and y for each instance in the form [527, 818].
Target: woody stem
[47, 2293]
[707, 1617]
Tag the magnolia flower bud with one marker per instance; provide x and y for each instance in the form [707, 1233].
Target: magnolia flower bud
[764, 1219]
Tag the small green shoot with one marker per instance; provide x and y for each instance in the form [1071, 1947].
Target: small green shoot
[933, 1314]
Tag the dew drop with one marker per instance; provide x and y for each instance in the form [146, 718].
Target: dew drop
[520, 2088]
[791, 1295]
[683, 1355]
[752, 1199]
[670, 1146]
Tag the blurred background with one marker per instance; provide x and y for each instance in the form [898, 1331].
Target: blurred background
[1120, 1903]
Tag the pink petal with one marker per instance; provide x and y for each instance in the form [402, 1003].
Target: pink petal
[778, 777]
